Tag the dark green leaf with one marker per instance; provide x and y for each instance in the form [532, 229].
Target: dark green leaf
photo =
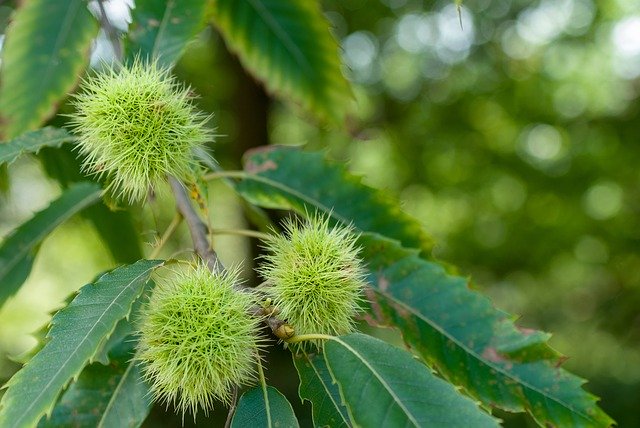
[76, 333]
[160, 29]
[264, 408]
[47, 45]
[285, 177]
[32, 142]
[113, 395]
[287, 44]
[384, 386]
[19, 248]
[317, 386]
[470, 342]
[457, 330]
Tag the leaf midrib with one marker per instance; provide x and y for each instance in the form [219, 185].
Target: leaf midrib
[71, 354]
[117, 389]
[71, 13]
[282, 35]
[162, 28]
[478, 357]
[335, 404]
[380, 379]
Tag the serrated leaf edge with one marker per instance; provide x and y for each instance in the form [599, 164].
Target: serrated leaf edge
[48, 338]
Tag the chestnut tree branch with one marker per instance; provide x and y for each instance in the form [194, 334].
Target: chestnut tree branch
[110, 30]
[197, 228]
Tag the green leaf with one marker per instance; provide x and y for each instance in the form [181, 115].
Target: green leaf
[113, 395]
[46, 47]
[456, 330]
[76, 333]
[19, 249]
[470, 342]
[317, 386]
[287, 45]
[385, 386]
[160, 29]
[286, 177]
[32, 142]
[264, 408]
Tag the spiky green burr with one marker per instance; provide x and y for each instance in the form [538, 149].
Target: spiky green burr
[314, 276]
[197, 339]
[136, 125]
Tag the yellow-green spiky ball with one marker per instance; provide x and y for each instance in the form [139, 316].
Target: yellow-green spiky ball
[136, 125]
[197, 339]
[314, 276]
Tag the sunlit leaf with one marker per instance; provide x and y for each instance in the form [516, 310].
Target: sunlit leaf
[19, 249]
[161, 29]
[285, 177]
[264, 408]
[384, 386]
[46, 47]
[32, 142]
[317, 386]
[76, 333]
[288, 46]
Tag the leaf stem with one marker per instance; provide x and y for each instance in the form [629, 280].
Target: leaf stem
[177, 219]
[263, 385]
[224, 174]
[241, 232]
[311, 336]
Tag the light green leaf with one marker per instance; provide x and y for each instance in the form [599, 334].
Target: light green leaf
[160, 29]
[384, 386]
[264, 408]
[19, 249]
[47, 45]
[286, 177]
[76, 333]
[32, 142]
[317, 386]
[287, 45]
[470, 342]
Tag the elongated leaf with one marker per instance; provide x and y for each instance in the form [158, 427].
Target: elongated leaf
[32, 142]
[160, 29]
[470, 342]
[264, 408]
[317, 386]
[18, 250]
[113, 395]
[457, 330]
[76, 333]
[286, 177]
[383, 386]
[110, 392]
[287, 45]
[47, 45]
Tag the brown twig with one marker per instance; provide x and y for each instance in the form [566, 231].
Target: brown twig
[202, 246]
[197, 228]
[110, 31]
[232, 408]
